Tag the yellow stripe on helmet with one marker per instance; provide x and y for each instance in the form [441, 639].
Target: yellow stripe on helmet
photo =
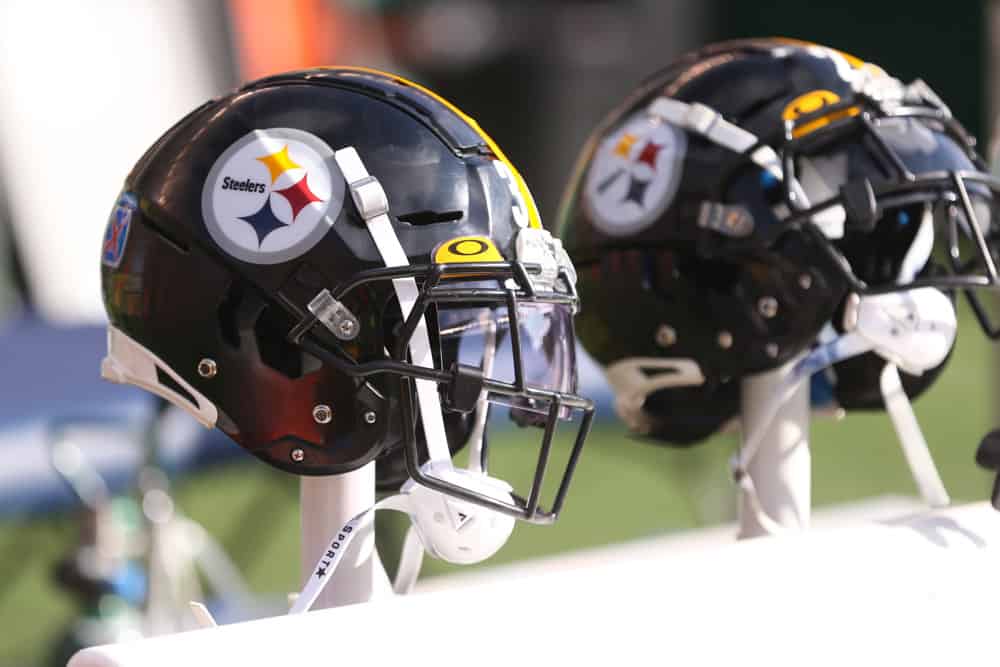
[852, 60]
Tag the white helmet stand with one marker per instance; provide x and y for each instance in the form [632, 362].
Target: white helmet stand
[327, 503]
[781, 470]
[918, 589]
[911, 330]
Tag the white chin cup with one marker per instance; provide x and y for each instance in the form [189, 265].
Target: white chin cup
[914, 329]
[457, 531]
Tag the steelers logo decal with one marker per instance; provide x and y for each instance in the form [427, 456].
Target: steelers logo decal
[634, 175]
[272, 195]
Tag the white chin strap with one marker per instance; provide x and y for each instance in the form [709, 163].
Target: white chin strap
[911, 438]
[911, 330]
[476, 437]
[373, 205]
[453, 530]
[705, 121]
[456, 531]
[709, 123]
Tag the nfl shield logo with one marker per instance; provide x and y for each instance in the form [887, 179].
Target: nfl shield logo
[116, 234]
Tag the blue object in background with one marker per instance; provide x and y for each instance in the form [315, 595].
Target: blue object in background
[51, 376]
[56, 371]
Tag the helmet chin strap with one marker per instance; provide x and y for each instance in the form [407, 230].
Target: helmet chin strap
[443, 545]
[475, 443]
[911, 330]
[897, 403]
[911, 438]
[705, 121]
[453, 530]
[456, 531]
[373, 205]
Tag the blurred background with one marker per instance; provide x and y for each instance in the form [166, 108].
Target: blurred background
[100, 486]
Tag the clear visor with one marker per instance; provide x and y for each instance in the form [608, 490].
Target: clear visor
[921, 149]
[912, 219]
[540, 352]
[958, 226]
[898, 144]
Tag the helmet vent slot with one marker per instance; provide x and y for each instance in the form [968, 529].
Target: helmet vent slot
[421, 218]
[228, 313]
[653, 371]
[164, 380]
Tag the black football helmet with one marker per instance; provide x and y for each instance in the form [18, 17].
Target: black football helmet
[724, 215]
[324, 259]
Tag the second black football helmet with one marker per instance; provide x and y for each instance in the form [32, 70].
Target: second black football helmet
[722, 217]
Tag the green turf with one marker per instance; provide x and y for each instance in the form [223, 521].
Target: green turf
[624, 489]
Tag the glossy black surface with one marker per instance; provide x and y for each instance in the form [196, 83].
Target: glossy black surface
[703, 284]
[182, 296]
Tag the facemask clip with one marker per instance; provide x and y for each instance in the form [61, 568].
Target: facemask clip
[538, 246]
[465, 387]
[859, 203]
[334, 315]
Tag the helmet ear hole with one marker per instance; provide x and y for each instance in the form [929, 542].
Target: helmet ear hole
[165, 380]
[241, 315]
[228, 316]
[270, 331]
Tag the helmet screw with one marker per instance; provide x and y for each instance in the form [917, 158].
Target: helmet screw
[767, 306]
[666, 335]
[322, 414]
[725, 340]
[771, 350]
[346, 328]
[805, 281]
[298, 455]
[370, 417]
[207, 368]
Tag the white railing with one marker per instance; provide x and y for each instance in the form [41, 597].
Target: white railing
[917, 589]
